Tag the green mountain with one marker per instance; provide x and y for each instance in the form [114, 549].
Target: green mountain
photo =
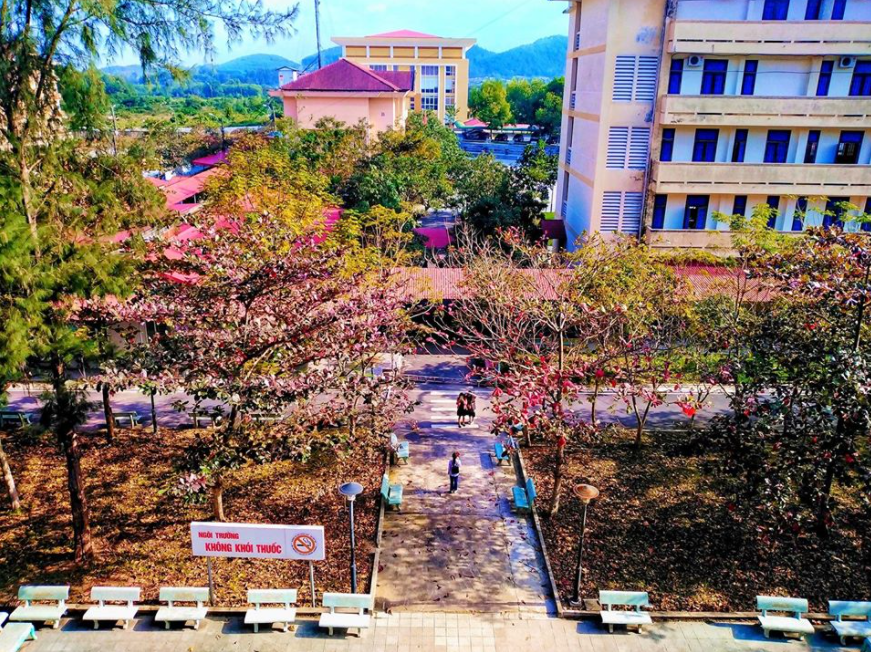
[328, 56]
[259, 69]
[545, 57]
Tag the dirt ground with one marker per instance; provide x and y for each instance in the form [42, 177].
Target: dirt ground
[661, 525]
[143, 536]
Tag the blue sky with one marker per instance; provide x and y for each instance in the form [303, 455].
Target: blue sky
[496, 24]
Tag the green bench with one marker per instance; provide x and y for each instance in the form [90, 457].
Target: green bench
[14, 635]
[850, 628]
[120, 417]
[14, 419]
[400, 449]
[631, 618]
[270, 615]
[794, 624]
[391, 493]
[172, 613]
[524, 498]
[358, 619]
[41, 612]
[113, 612]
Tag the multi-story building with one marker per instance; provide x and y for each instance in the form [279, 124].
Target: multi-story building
[440, 66]
[677, 109]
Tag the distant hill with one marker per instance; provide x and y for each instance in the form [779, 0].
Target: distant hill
[328, 56]
[251, 69]
[545, 57]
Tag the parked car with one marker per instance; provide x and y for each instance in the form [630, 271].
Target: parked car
[475, 134]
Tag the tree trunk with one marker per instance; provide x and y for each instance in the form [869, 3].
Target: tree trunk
[218, 499]
[153, 415]
[27, 196]
[352, 426]
[107, 412]
[557, 480]
[593, 401]
[9, 479]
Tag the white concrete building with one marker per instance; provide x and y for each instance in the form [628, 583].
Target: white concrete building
[677, 109]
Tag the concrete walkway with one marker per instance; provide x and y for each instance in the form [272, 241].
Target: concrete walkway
[467, 551]
[425, 632]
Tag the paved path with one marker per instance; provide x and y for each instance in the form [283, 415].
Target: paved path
[425, 632]
[467, 551]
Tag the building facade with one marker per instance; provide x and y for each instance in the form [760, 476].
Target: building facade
[440, 66]
[679, 109]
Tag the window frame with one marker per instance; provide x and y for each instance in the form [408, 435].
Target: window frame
[739, 147]
[675, 76]
[812, 146]
[839, 7]
[860, 83]
[776, 150]
[775, 10]
[816, 6]
[824, 80]
[696, 204]
[773, 201]
[748, 79]
[657, 218]
[739, 201]
[714, 78]
[668, 131]
[705, 150]
[852, 137]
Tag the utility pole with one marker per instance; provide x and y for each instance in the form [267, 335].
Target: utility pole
[318, 30]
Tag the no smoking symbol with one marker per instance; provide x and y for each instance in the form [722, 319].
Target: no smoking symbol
[304, 544]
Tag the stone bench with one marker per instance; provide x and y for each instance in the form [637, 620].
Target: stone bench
[359, 619]
[14, 635]
[271, 615]
[43, 613]
[391, 493]
[172, 613]
[524, 498]
[794, 624]
[850, 628]
[629, 618]
[120, 417]
[113, 612]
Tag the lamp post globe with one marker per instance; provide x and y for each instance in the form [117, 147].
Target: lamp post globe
[586, 493]
[350, 490]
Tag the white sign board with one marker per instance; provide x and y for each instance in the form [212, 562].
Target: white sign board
[255, 541]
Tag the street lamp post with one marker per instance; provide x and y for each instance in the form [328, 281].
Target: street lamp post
[350, 490]
[585, 493]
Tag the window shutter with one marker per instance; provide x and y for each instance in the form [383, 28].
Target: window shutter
[621, 212]
[610, 220]
[624, 76]
[631, 222]
[618, 140]
[645, 79]
[639, 148]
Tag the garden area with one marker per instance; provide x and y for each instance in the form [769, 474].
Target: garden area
[142, 532]
[664, 524]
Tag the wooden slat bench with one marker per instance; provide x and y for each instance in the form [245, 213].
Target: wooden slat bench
[391, 493]
[172, 613]
[633, 618]
[850, 628]
[360, 603]
[524, 498]
[43, 613]
[113, 612]
[794, 624]
[14, 635]
[270, 615]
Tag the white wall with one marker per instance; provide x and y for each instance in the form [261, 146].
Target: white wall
[712, 9]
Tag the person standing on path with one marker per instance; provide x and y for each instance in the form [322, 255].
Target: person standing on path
[471, 407]
[461, 409]
[454, 472]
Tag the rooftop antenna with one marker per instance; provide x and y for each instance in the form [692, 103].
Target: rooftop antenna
[318, 30]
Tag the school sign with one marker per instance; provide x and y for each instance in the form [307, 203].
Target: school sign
[254, 541]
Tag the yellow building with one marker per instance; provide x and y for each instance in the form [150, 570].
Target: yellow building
[440, 66]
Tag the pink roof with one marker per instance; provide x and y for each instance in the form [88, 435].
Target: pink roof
[180, 188]
[347, 76]
[402, 33]
[211, 159]
[474, 122]
[436, 237]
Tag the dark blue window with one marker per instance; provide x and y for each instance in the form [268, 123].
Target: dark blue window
[705, 147]
[835, 212]
[740, 146]
[775, 10]
[714, 77]
[777, 146]
[659, 204]
[667, 149]
[825, 78]
[696, 212]
[773, 202]
[813, 143]
[814, 7]
[838, 9]
[866, 226]
[675, 76]
[799, 214]
[848, 147]
[748, 82]
[861, 84]
[739, 207]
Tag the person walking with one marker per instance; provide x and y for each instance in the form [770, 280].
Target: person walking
[461, 409]
[454, 472]
[471, 407]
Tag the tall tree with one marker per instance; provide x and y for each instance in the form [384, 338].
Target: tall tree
[491, 104]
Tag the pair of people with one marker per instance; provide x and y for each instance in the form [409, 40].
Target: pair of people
[466, 409]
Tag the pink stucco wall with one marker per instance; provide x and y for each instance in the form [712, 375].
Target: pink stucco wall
[381, 111]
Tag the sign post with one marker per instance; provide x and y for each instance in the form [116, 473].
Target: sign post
[311, 579]
[254, 541]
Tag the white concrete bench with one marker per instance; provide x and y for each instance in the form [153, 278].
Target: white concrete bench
[850, 628]
[14, 635]
[794, 624]
[172, 613]
[343, 620]
[126, 415]
[271, 615]
[113, 612]
[634, 618]
[42, 613]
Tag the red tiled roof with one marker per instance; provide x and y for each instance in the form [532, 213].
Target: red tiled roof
[436, 237]
[180, 188]
[347, 76]
[402, 33]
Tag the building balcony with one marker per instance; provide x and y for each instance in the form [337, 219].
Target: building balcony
[761, 111]
[770, 37]
[718, 242]
[761, 179]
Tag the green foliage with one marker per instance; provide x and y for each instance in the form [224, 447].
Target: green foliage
[84, 100]
[542, 58]
[489, 103]
[534, 102]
